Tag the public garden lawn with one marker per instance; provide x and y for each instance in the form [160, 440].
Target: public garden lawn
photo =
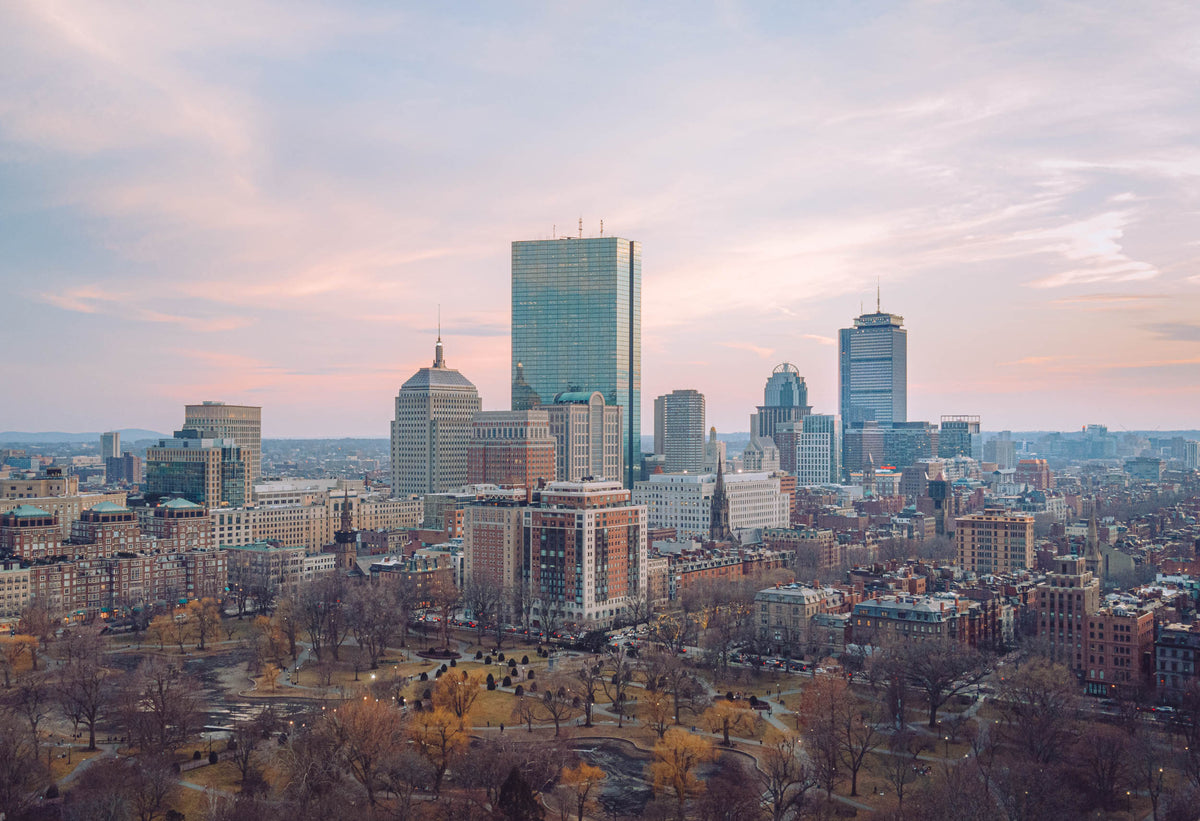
[221, 776]
[58, 761]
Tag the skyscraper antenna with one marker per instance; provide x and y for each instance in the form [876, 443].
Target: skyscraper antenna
[439, 322]
[581, 227]
[601, 227]
[554, 232]
[878, 309]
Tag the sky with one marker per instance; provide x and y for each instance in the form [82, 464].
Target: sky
[266, 202]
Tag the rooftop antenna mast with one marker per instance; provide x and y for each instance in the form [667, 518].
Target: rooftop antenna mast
[554, 232]
[581, 227]
[601, 227]
[878, 309]
[439, 317]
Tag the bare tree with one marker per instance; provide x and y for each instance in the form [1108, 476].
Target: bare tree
[617, 674]
[365, 733]
[901, 763]
[560, 701]
[940, 669]
[320, 607]
[32, 701]
[667, 673]
[785, 776]
[1039, 703]
[589, 682]
[82, 688]
[1104, 761]
[373, 620]
[160, 707]
[22, 774]
[483, 600]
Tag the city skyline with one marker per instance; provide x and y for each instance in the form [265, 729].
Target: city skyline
[197, 205]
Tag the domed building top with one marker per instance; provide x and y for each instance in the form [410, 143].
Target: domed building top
[438, 376]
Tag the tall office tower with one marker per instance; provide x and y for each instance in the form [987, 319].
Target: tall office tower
[584, 553]
[110, 445]
[960, 436]
[873, 369]
[241, 423]
[587, 437]
[1191, 455]
[511, 449]
[203, 470]
[432, 429]
[819, 451]
[785, 399]
[679, 430]
[577, 325]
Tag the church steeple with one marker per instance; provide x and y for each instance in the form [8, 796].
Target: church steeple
[1093, 558]
[346, 538]
[719, 530]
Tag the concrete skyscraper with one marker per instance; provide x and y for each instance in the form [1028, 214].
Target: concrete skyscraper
[873, 369]
[241, 423]
[577, 326]
[432, 429]
[110, 445]
[679, 430]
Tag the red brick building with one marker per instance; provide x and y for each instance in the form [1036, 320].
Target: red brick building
[511, 449]
[1120, 650]
[29, 533]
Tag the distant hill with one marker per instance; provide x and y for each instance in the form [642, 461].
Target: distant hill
[13, 437]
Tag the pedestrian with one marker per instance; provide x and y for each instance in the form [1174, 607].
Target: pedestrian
[502, 728]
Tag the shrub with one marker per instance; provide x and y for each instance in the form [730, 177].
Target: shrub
[453, 662]
[529, 675]
[491, 679]
[524, 659]
[196, 755]
[487, 659]
[427, 694]
[213, 758]
[52, 791]
[491, 685]
[443, 668]
[424, 676]
[533, 687]
[437, 673]
[507, 681]
[478, 655]
[520, 690]
[499, 657]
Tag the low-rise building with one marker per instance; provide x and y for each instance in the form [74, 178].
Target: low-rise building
[1120, 646]
[1176, 653]
[784, 616]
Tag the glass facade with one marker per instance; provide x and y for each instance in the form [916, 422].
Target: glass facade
[873, 372]
[577, 324]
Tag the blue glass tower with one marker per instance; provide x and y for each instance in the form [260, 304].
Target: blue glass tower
[577, 325]
[873, 372]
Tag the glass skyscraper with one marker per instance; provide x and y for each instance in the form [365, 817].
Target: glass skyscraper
[873, 372]
[577, 325]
